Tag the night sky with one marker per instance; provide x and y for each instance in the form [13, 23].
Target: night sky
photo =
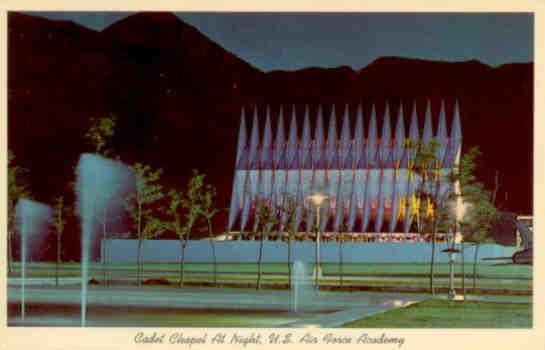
[288, 41]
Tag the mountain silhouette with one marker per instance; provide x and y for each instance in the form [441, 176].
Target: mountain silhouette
[178, 97]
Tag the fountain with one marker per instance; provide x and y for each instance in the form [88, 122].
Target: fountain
[302, 287]
[101, 184]
[32, 221]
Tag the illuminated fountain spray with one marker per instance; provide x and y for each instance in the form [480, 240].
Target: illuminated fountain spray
[101, 184]
[33, 219]
[301, 288]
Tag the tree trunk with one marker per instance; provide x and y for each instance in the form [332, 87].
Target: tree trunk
[434, 236]
[463, 270]
[341, 258]
[139, 262]
[10, 254]
[139, 256]
[182, 261]
[475, 258]
[317, 268]
[212, 245]
[104, 273]
[289, 260]
[58, 259]
[260, 263]
[432, 264]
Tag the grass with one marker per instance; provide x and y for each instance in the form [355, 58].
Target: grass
[449, 314]
[514, 277]
[386, 270]
[499, 284]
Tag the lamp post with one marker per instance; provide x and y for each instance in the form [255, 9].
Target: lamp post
[452, 251]
[452, 257]
[317, 199]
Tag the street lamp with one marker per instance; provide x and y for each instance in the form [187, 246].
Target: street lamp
[452, 257]
[317, 199]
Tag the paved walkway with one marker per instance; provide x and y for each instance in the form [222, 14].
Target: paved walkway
[226, 298]
[494, 298]
[339, 318]
[43, 281]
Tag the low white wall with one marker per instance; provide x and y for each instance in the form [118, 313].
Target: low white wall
[125, 251]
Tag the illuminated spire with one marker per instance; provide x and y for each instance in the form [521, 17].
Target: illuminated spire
[372, 138]
[292, 139]
[441, 135]
[331, 137]
[428, 128]
[414, 136]
[279, 141]
[358, 149]
[241, 136]
[254, 142]
[386, 136]
[317, 153]
[399, 136]
[304, 152]
[266, 146]
[456, 133]
[345, 137]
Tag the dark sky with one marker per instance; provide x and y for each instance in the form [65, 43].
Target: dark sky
[288, 41]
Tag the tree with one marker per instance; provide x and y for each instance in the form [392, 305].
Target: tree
[480, 212]
[289, 209]
[99, 135]
[267, 218]
[144, 208]
[426, 195]
[59, 221]
[207, 212]
[189, 203]
[16, 189]
[101, 132]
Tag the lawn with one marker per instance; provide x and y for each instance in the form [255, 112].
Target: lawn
[387, 275]
[450, 314]
[391, 270]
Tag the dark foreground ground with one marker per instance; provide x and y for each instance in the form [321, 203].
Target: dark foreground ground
[166, 306]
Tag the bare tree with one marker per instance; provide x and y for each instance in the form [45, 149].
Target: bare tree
[143, 207]
[424, 166]
[207, 212]
[186, 207]
[59, 221]
[267, 217]
[480, 212]
[289, 209]
[16, 189]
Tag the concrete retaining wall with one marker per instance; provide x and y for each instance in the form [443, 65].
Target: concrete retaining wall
[125, 250]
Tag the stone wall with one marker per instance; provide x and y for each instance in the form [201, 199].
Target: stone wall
[124, 251]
